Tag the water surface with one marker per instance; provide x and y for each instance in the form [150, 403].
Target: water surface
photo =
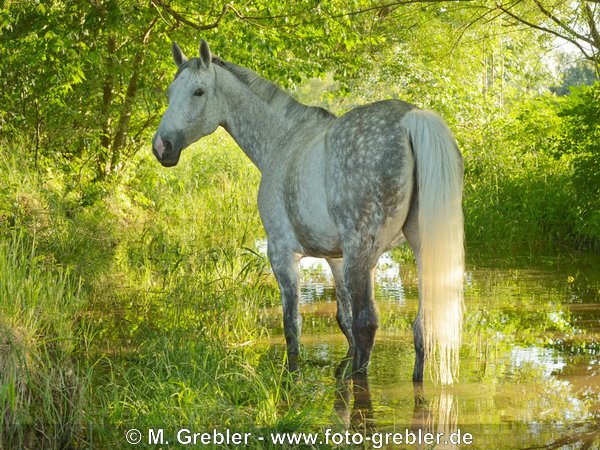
[530, 362]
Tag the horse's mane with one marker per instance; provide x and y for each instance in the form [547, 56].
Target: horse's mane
[273, 95]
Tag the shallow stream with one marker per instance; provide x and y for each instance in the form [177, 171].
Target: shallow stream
[530, 362]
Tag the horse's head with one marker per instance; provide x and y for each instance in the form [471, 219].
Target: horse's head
[194, 109]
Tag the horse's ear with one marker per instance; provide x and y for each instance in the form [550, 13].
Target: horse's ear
[205, 55]
[178, 55]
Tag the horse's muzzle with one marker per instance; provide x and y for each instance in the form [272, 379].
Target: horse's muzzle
[167, 151]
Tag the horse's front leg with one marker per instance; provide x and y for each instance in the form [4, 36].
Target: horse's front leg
[344, 303]
[285, 267]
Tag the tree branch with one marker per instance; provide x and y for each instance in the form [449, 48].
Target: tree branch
[253, 19]
[562, 24]
[592, 24]
[146, 35]
[463, 29]
[181, 19]
[392, 5]
[545, 30]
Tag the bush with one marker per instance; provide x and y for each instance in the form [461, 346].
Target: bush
[518, 189]
[581, 139]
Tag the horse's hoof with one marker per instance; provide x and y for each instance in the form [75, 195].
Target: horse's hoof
[360, 364]
[344, 369]
[292, 363]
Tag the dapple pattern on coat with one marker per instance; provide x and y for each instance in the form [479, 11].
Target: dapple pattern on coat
[343, 188]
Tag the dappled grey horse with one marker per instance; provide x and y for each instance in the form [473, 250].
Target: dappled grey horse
[343, 188]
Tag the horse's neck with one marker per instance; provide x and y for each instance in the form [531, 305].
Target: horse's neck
[257, 127]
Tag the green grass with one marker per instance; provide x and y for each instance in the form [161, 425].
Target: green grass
[42, 381]
[161, 291]
[519, 205]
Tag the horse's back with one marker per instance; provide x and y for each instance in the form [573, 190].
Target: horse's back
[367, 132]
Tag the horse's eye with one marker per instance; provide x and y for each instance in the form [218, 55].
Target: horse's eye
[199, 92]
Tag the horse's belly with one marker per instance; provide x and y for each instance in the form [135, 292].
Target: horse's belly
[306, 206]
[313, 227]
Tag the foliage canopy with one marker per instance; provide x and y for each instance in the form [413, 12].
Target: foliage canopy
[82, 83]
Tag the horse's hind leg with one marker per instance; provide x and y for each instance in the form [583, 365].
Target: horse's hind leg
[411, 232]
[285, 268]
[359, 274]
[344, 303]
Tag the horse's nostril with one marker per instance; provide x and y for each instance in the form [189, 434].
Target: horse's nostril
[159, 146]
[166, 147]
[162, 146]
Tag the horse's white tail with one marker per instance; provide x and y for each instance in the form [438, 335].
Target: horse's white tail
[439, 172]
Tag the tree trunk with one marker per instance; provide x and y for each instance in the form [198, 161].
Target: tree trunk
[595, 35]
[107, 99]
[38, 131]
[120, 139]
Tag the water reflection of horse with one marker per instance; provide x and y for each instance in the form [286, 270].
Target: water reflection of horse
[354, 406]
[346, 189]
